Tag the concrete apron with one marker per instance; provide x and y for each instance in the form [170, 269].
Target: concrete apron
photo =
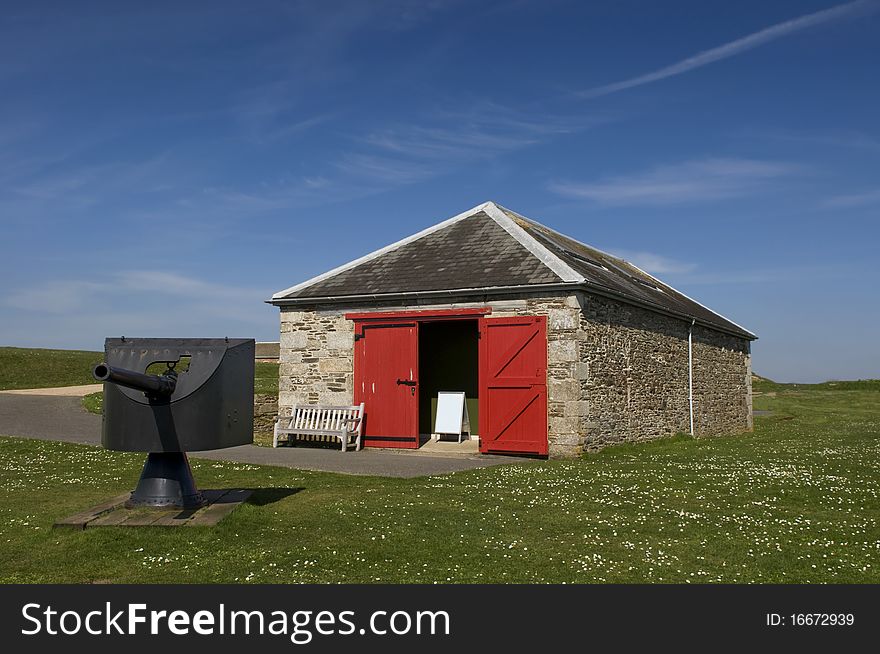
[448, 446]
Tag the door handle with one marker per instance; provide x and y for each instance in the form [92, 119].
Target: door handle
[406, 382]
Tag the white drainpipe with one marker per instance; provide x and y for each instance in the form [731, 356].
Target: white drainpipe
[691, 372]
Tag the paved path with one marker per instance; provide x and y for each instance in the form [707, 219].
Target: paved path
[48, 418]
[64, 391]
[60, 418]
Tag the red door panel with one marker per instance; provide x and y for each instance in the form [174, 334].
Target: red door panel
[386, 381]
[513, 385]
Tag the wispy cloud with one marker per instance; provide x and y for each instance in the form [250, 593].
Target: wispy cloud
[737, 46]
[487, 129]
[388, 171]
[691, 181]
[284, 127]
[405, 153]
[311, 56]
[65, 296]
[182, 286]
[385, 158]
[62, 189]
[57, 296]
[656, 264]
[790, 274]
[838, 138]
[243, 202]
[853, 200]
[80, 313]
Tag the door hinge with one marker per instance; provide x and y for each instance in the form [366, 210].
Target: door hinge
[358, 337]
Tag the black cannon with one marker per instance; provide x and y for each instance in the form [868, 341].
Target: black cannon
[151, 385]
[202, 399]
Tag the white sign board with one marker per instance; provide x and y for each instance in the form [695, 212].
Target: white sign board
[452, 414]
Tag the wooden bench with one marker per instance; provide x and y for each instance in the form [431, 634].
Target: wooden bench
[319, 423]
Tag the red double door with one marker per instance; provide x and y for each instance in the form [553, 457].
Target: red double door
[513, 383]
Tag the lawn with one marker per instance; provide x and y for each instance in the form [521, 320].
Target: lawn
[796, 501]
[33, 368]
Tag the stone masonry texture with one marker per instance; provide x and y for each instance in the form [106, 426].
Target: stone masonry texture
[616, 373]
[635, 378]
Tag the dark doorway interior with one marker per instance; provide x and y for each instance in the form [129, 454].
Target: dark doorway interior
[448, 361]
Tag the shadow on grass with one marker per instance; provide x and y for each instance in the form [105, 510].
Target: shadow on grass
[264, 496]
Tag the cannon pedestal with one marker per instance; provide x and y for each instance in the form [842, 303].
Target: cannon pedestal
[166, 482]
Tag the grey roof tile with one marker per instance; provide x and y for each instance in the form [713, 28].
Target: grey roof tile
[620, 277]
[454, 257]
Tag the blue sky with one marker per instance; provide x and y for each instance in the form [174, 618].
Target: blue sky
[165, 167]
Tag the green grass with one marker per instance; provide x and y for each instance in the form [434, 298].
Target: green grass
[265, 378]
[94, 402]
[796, 501]
[33, 368]
[761, 385]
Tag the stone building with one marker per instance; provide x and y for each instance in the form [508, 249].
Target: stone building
[559, 347]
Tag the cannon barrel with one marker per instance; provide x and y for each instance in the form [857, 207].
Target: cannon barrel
[152, 385]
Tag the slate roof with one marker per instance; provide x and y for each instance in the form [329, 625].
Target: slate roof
[490, 249]
[449, 258]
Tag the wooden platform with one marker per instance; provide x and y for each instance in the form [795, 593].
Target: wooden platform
[113, 513]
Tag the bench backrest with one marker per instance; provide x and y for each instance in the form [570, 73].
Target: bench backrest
[331, 418]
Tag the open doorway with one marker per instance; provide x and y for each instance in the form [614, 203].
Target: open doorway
[448, 361]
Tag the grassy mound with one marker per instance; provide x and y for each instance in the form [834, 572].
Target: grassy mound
[34, 368]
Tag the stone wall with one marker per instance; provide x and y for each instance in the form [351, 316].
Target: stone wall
[636, 379]
[316, 364]
[615, 372]
[265, 405]
[722, 383]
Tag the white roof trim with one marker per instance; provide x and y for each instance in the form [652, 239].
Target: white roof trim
[662, 283]
[646, 274]
[280, 295]
[562, 270]
[571, 238]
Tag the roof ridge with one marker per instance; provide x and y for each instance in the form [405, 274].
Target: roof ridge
[571, 238]
[561, 269]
